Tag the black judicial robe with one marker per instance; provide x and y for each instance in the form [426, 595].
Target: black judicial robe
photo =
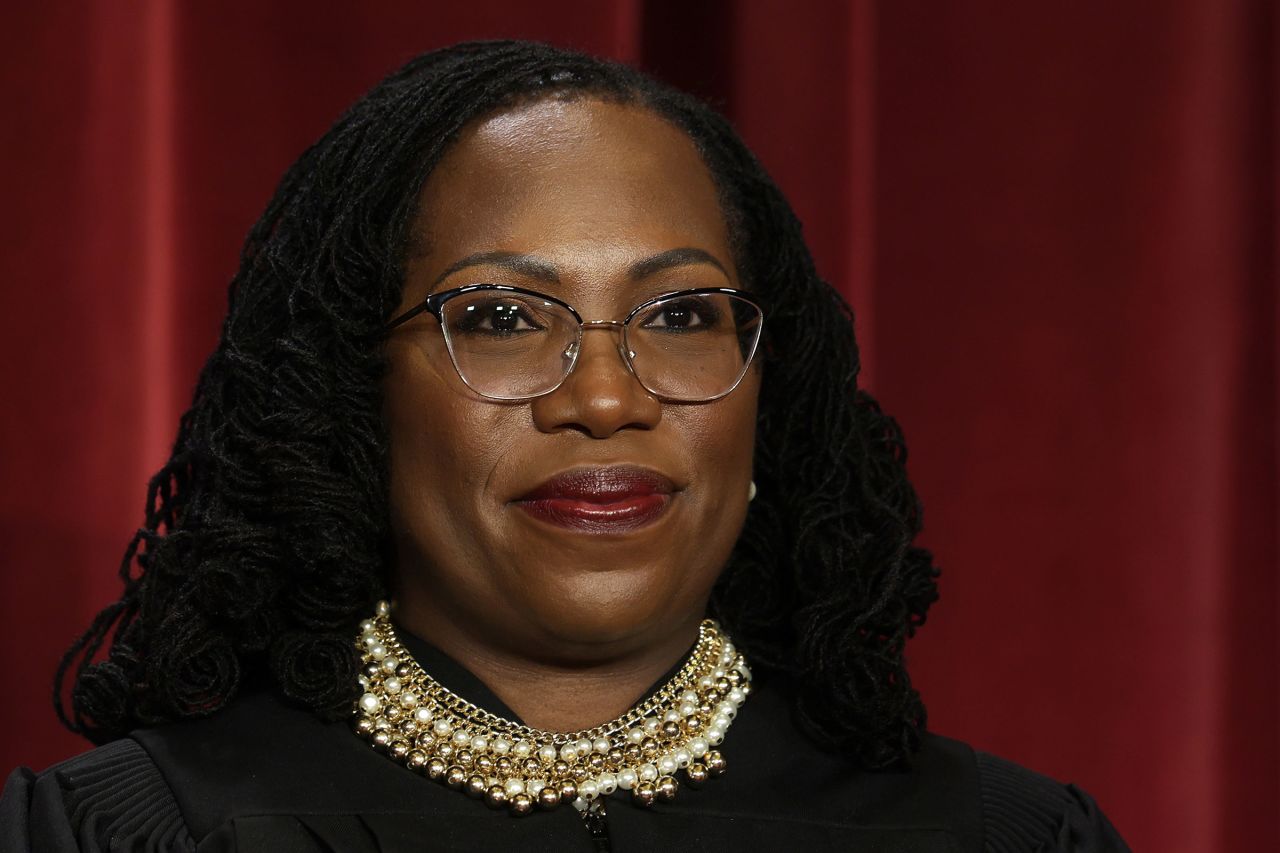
[263, 775]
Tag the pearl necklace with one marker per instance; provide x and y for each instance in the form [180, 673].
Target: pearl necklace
[415, 720]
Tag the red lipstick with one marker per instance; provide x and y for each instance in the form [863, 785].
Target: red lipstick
[600, 500]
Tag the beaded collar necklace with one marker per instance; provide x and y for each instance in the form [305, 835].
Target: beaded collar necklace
[416, 721]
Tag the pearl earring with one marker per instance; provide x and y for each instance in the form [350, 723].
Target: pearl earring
[751, 491]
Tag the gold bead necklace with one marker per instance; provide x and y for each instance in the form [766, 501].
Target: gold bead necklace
[415, 720]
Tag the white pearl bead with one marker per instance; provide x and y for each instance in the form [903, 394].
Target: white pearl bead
[667, 765]
[392, 685]
[461, 738]
[442, 728]
[683, 757]
[423, 715]
[364, 682]
[672, 716]
[706, 682]
[408, 699]
[479, 743]
[736, 696]
[689, 697]
[746, 673]
[699, 747]
[688, 710]
[647, 772]
[600, 744]
[389, 664]
[569, 752]
[502, 746]
[720, 722]
[627, 778]
[651, 725]
[514, 786]
[547, 754]
[718, 673]
[635, 735]
[608, 783]
[588, 790]
[715, 736]
[583, 746]
[522, 748]
[534, 786]
[377, 651]
[370, 703]
[370, 640]
[367, 626]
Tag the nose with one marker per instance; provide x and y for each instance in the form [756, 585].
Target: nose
[601, 396]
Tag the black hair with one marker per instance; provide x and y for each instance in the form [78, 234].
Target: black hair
[265, 534]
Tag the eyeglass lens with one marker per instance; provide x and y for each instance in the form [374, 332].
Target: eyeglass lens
[511, 345]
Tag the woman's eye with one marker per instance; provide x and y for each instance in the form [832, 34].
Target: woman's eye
[501, 318]
[682, 314]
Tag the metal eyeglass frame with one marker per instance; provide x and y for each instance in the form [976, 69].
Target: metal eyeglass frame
[434, 305]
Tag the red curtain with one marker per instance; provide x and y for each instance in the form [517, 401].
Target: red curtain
[1057, 224]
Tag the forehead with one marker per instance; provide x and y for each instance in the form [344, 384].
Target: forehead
[587, 185]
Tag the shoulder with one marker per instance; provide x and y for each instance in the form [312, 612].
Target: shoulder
[110, 798]
[1025, 811]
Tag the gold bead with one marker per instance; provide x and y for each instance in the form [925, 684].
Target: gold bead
[633, 752]
[549, 797]
[693, 724]
[436, 768]
[455, 777]
[697, 773]
[364, 726]
[715, 762]
[596, 762]
[615, 757]
[372, 670]
[711, 697]
[670, 729]
[532, 767]
[391, 712]
[409, 727]
[568, 790]
[381, 740]
[445, 751]
[723, 685]
[649, 746]
[465, 758]
[666, 788]
[521, 804]
[484, 764]
[504, 766]
[560, 768]
[398, 749]
[644, 793]
[404, 671]
[416, 759]
[496, 796]
[477, 786]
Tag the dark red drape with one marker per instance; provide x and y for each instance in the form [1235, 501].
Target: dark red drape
[1057, 225]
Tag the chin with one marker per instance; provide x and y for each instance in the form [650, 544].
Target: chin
[607, 619]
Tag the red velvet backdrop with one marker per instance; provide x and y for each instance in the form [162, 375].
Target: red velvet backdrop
[1056, 222]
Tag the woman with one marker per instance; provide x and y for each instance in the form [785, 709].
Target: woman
[526, 373]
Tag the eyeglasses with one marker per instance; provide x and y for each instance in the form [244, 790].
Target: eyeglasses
[508, 343]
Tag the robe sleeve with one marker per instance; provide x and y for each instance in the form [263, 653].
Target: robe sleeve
[110, 798]
[1024, 812]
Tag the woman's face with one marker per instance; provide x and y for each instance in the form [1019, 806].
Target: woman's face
[569, 199]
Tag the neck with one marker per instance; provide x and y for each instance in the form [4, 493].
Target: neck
[575, 687]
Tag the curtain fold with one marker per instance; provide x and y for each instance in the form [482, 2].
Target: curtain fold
[1057, 227]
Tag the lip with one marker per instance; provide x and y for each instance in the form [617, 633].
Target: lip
[611, 499]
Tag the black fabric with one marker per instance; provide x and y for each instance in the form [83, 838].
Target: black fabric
[263, 775]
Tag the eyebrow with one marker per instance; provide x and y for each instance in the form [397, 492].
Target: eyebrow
[536, 268]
